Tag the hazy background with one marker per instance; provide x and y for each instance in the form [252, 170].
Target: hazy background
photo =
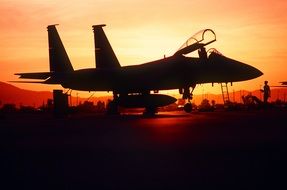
[254, 32]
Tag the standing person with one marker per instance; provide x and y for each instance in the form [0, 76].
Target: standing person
[266, 92]
[202, 54]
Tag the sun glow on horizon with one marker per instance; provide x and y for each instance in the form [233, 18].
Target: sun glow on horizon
[140, 31]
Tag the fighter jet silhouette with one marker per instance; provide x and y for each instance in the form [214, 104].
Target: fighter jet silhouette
[283, 84]
[138, 85]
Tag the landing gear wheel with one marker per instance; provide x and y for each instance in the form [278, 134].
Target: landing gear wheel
[187, 107]
[150, 111]
[112, 108]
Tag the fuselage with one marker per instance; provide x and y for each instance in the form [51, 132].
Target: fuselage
[169, 73]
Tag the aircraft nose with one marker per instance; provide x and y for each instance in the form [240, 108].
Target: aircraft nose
[233, 70]
[253, 72]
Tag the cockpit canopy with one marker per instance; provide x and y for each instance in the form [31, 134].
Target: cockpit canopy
[195, 42]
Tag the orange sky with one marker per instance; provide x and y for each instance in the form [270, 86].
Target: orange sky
[251, 31]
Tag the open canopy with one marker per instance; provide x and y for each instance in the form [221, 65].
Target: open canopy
[198, 40]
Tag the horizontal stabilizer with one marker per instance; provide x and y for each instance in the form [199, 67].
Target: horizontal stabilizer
[40, 75]
[49, 80]
[39, 82]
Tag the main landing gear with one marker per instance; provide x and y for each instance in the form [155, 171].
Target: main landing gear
[113, 106]
[150, 111]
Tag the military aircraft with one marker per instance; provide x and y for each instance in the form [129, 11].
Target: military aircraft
[138, 85]
[283, 84]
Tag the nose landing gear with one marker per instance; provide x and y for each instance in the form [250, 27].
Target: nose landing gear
[187, 107]
[187, 94]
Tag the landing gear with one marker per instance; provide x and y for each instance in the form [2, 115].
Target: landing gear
[187, 107]
[113, 106]
[187, 94]
[150, 111]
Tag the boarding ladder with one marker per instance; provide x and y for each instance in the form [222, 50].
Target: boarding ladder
[225, 93]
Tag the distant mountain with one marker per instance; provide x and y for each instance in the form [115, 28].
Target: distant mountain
[10, 94]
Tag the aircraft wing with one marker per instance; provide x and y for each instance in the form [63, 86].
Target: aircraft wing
[40, 75]
[283, 84]
[44, 77]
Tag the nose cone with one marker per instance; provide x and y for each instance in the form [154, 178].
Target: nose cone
[230, 70]
[251, 72]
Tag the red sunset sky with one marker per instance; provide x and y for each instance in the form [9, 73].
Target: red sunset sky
[251, 31]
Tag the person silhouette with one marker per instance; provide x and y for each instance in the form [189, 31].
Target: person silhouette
[266, 92]
[202, 54]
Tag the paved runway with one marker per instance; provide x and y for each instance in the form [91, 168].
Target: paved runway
[234, 150]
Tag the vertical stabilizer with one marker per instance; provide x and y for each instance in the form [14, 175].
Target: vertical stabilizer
[105, 56]
[59, 60]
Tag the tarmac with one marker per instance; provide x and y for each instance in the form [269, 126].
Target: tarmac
[174, 150]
